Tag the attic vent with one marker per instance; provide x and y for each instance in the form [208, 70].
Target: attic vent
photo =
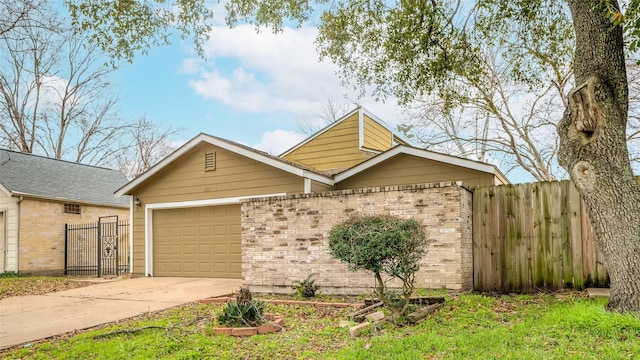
[209, 161]
[72, 208]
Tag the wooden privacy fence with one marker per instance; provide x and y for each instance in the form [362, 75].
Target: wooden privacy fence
[531, 237]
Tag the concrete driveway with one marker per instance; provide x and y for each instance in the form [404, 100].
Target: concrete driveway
[28, 318]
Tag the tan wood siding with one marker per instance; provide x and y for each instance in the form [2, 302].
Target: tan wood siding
[317, 187]
[376, 136]
[186, 180]
[337, 148]
[197, 242]
[407, 169]
[235, 175]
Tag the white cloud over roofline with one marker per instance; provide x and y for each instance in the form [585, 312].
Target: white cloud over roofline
[266, 73]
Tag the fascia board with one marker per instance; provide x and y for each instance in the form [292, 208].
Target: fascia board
[320, 132]
[385, 125]
[159, 166]
[5, 190]
[227, 146]
[61, 199]
[425, 154]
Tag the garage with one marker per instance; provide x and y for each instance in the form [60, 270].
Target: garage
[197, 242]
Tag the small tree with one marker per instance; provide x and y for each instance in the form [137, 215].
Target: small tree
[382, 245]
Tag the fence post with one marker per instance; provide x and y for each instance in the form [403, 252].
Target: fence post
[66, 246]
[99, 247]
[117, 246]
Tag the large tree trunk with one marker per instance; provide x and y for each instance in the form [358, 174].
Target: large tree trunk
[593, 149]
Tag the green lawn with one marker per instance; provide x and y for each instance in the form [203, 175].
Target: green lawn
[467, 327]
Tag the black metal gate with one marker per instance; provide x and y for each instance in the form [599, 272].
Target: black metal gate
[97, 249]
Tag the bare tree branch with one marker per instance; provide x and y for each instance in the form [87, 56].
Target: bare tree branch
[487, 117]
[56, 99]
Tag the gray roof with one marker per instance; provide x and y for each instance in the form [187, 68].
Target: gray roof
[27, 174]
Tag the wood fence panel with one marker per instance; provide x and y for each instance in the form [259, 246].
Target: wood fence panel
[575, 226]
[483, 230]
[529, 237]
[595, 273]
[528, 231]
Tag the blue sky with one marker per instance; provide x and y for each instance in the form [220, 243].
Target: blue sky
[252, 88]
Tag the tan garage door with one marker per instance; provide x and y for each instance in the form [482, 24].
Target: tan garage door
[197, 242]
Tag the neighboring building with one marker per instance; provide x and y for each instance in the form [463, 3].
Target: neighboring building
[38, 196]
[187, 221]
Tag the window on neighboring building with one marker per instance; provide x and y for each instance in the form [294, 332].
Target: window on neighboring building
[72, 208]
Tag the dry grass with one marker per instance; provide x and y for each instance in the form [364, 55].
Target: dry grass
[37, 285]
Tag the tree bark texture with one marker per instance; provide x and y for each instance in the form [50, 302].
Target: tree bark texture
[594, 151]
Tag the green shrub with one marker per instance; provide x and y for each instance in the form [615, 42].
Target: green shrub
[306, 288]
[243, 312]
[382, 245]
[247, 314]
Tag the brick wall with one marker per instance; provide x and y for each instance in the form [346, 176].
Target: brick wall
[285, 238]
[41, 250]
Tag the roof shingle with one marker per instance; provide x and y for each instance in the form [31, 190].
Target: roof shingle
[27, 174]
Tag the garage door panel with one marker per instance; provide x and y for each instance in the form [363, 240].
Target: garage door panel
[204, 267]
[221, 267]
[236, 267]
[204, 249]
[221, 249]
[204, 230]
[190, 249]
[199, 242]
[236, 249]
[175, 249]
[189, 231]
[190, 267]
[160, 249]
[221, 230]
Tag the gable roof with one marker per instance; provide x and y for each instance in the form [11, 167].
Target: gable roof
[421, 153]
[361, 112]
[37, 176]
[234, 147]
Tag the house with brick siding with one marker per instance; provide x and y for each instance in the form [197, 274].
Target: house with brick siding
[216, 208]
[38, 196]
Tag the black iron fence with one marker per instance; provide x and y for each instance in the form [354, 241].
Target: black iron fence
[97, 249]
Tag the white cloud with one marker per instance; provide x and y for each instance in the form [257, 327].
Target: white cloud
[263, 72]
[280, 73]
[190, 66]
[277, 141]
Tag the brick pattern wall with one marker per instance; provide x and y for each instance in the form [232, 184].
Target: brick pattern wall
[41, 250]
[285, 238]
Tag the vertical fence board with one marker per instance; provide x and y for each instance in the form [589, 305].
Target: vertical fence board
[539, 230]
[556, 221]
[529, 237]
[575, 224]
[528, 231]
[480, 236]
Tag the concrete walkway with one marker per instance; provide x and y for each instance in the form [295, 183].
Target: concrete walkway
[28, 318]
